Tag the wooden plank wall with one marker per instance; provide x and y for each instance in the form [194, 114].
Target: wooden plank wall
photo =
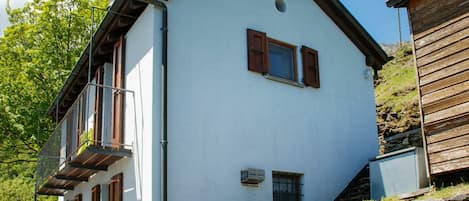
[440, 32]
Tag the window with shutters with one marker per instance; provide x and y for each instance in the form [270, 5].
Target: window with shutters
[115, 188]
[286, 186]
[271, 57]
[96, 193]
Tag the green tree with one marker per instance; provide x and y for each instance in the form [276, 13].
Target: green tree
[37, 52]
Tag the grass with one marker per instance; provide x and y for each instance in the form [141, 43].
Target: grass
[396, 94]
[397, 86]
[442, 193]
[447, 192]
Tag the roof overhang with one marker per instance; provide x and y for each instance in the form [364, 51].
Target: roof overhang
[375, 55]
[397, 3]
[120, 16]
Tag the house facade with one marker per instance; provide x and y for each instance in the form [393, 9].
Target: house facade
[225, 100]
[441, 49]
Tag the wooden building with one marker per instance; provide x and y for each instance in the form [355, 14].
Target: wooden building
[440, 39]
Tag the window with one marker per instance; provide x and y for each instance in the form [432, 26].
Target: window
[96, 193]
[115, 188]
[286, 186]
[282, 60]
[270, 56]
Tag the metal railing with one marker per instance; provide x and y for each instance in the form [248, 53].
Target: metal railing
[75, 132]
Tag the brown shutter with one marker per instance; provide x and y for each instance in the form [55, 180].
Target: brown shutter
[95, 193]
[310, 67]
[70, 128]
[115, 188]
[257, 51]
[98, 105]
[118, 96]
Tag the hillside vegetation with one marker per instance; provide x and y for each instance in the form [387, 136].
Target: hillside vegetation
[396, 93]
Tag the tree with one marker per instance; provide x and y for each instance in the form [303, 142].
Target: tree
[37, 52]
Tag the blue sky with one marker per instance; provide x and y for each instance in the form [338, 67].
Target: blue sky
[379, 20]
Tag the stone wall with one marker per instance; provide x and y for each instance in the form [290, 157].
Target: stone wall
[411, 138]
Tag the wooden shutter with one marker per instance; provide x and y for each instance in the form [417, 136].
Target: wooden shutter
[258, 59]
[81, 118]
[98, 105]
[310, 67]
[78, 197]
[118, 96]
[95, 193]
[69, 135]
[115, 188]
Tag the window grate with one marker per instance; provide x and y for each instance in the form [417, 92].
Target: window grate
[286, 186]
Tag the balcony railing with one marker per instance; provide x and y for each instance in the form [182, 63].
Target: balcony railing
[88, 139]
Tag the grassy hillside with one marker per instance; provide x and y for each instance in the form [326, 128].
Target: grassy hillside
[396, 93]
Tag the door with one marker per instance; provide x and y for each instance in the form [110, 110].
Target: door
[117, 95]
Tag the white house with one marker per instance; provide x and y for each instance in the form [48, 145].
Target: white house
[180, 97]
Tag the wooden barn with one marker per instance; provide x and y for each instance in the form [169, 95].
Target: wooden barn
[440, 39]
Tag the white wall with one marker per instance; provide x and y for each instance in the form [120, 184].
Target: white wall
[139, 67]
[223, 118]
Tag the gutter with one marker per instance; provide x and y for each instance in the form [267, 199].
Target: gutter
[164, 123]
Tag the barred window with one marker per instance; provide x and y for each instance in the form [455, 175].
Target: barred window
[286, 186]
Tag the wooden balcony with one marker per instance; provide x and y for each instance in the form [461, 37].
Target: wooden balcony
[81, 145]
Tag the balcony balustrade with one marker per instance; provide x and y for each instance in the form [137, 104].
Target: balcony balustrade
[88, 139]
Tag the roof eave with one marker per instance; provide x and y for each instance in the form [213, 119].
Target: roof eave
[397, 3]
[81, 66]
[376, 57]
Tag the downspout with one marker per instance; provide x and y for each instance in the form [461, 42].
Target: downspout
[164, 69]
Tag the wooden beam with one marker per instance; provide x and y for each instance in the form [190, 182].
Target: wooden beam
[58, 187]
[50, 194]
[111, 37]
[79, 179]
[89, 167]
[111, 151]
[104, 49]
[124, 21]
[135, 5]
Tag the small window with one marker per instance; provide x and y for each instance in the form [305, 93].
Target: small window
[286, 186]
[270, 56]
[282, 60]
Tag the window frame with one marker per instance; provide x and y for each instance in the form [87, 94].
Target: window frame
[296, 177]
[96, 193]
[116, 187]
[293, 49]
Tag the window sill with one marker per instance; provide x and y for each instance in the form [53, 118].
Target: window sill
[282, 80]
